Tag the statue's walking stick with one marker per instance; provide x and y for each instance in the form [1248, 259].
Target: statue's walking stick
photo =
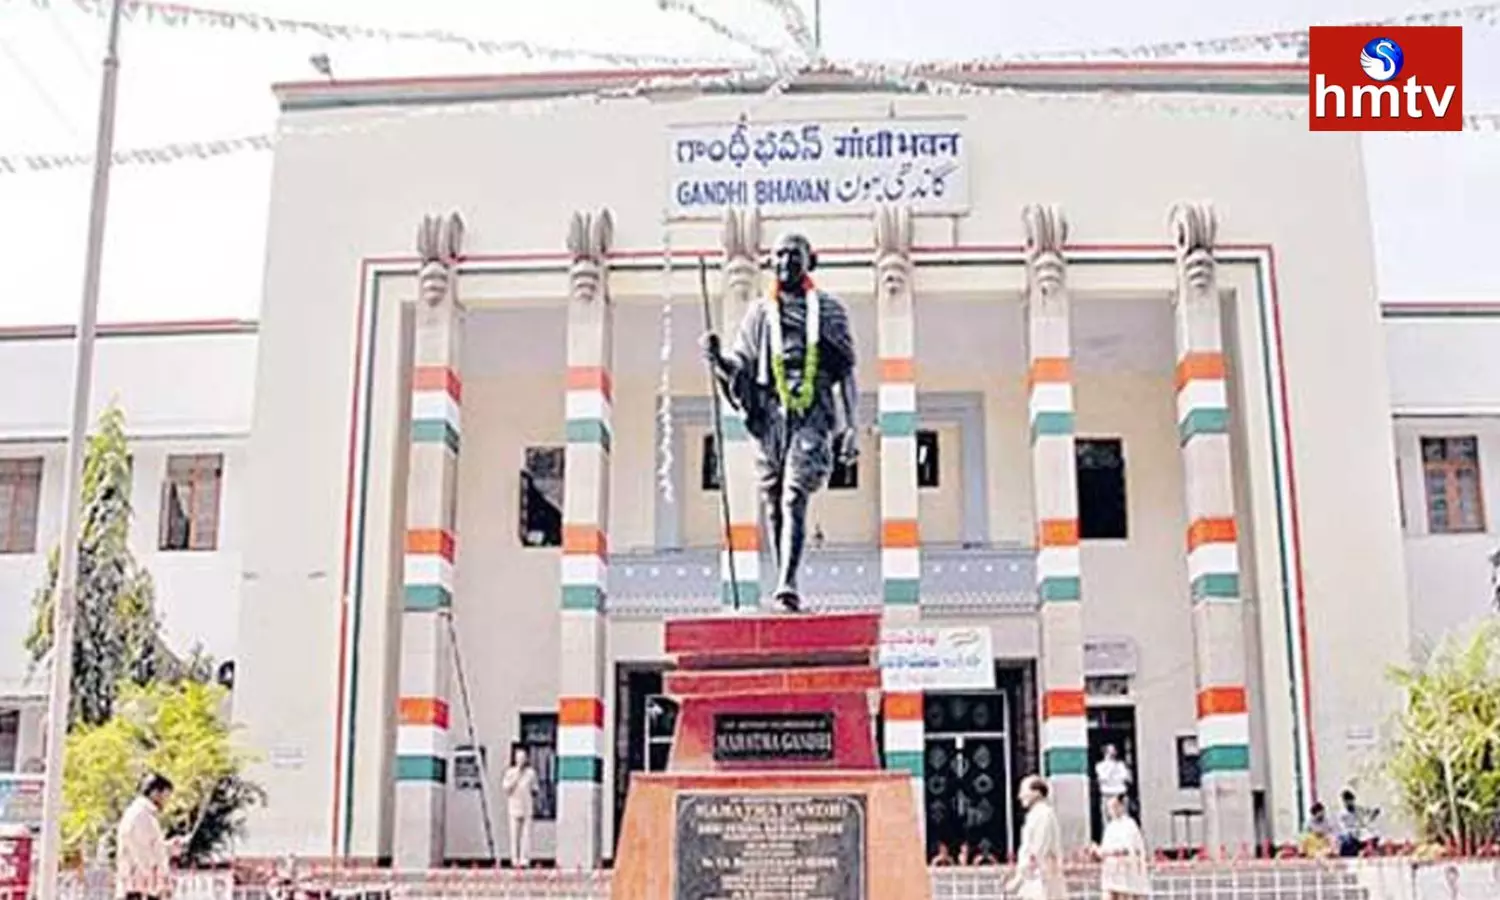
[713, 384]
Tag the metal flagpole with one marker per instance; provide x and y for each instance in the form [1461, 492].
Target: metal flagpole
[720, 449]
[64, 604]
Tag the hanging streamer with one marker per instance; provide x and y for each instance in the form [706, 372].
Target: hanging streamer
[795, 22]
[179, 15]
[907, 78]
[664, 387]
[717, 26]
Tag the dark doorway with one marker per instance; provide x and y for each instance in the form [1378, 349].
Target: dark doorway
[1111, 725]
[644, 720]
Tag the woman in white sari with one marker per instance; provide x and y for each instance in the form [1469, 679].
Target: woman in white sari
[1122, 854]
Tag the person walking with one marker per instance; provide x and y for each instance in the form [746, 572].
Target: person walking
[519, 786]
[1122, 854]
[1039, 862]
[143, 855]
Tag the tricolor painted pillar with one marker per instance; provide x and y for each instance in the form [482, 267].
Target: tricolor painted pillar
[1059, 580]
[904, 745]
[585, 556]
[1212, 537]
[739, 563]
[422, 744]
[900, 535]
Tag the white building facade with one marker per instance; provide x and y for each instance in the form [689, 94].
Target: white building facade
[185, 389]
[1105, 419]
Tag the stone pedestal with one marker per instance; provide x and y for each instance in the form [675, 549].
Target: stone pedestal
[774, 787]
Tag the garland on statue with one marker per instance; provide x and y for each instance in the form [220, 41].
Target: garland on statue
[806, 394]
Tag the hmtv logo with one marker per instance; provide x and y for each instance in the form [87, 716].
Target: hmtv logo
[1378, 78]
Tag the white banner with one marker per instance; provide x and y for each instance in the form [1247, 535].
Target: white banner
[21, 799]
[944, 659]
[818, 167]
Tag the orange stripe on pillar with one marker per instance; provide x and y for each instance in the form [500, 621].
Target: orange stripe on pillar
[423, 711]
[430, 540]
[1063, 704]
[1211, 531]
[899, 533]
[1049, 370]
[584, 540]
[1218, 701]
[591, 378]
[1057, 532]
[744, 537]
[1199, 367]
[437, 378]
[897, 368]
[580, 711]
[902, 707]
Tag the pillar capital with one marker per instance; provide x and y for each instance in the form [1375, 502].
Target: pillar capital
[590, 236]
[1195, 230]
[742, 248]
[1046, 234]
[439, 246]
[893, 243]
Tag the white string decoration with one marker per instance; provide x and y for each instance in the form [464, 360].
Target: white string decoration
[718, 26]
[795, 22]
[664, 387]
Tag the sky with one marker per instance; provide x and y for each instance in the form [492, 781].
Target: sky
[187, 241]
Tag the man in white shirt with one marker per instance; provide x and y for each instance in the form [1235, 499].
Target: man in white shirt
[1039, 862]
[519, 786]
[1113, 778]
[143, 856]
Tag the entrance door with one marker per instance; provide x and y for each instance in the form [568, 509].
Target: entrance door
[1111, 726]
[641, 714]
[967, 773]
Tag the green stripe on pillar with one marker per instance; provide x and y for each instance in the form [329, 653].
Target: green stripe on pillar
[1231, 758]
[749, 594]
[734, 429]
[908, 761]
[585, 597]
[901, 591]
[427, 597]
[1216, 586]
[588, 431]
[1060, 589]
[422, 768]
[898, 424]
[580, 768]
[1065, 761]
[1051, 424]
[1206, 420]
[434, 431]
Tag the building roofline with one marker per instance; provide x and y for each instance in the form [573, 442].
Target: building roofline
[1277, 78]
[174, 328]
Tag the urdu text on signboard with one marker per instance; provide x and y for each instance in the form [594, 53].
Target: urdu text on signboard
[818, 167]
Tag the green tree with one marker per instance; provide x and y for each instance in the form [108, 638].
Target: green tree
[178, 730]
[116, 634]
[1445, 754]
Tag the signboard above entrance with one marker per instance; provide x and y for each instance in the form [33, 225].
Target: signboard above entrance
[942, 659]
[818, 167]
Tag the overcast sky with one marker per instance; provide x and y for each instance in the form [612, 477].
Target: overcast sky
[187, 240]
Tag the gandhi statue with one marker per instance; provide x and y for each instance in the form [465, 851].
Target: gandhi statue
[790, 373]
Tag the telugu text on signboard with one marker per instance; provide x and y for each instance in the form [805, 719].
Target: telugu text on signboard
[915, 659]
[818, 167]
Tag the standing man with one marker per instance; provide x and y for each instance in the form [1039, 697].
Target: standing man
[519, 786]
[143, 856]
[791, 374]
[1113, 778]
[1039, 861]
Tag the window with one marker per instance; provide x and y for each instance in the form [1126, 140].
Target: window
[10, 739]
[1189, 776]
[20, 496]
[661, 723]
[1450, 467]
[542, 498]
[927, 459]
[1101, 489]
[190, 502]
[708, 479]
[539, 738]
